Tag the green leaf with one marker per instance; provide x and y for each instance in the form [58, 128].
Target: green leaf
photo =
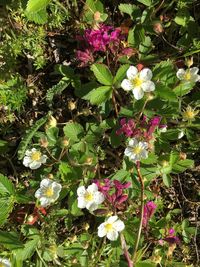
[28, 250]
[145, 264]
[182, 165]
[167, 180]
[121, 73]
[39, 17]
[132, 10]
[145, 2]
[10, 240]
[29, 135]
[166, 93]
[136, 36]
[183, 88]
[6, 186]
[102, 73]
[3, 146]
[164, 72]
[36, 5]
[56, 90]
[52, 135]
[6, 206]
[99, 95]
[73, 131]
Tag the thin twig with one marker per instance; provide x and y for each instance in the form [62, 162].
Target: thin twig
[141, 212]
[126, 253]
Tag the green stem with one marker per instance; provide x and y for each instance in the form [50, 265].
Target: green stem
[134, 259]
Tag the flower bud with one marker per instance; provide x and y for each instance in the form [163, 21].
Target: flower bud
[189, 62]
[89, 160]
[72, 105]
[158, 28]
[43, 142]
[182, 156]
[65, 142]
[52, 122]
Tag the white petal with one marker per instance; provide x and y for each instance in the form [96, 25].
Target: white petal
[56, 187]
[119, 225]
[112, 235]
[194, 70]
[34, 165]
[81, 191]
[44, 202]
[46, 183]
[26, 161]
[102, 230]
[112, 219]
[127, 85]
[98, 197]
[91, 206]
[148, 86]
[138, 93]
[143, 144]
[43, 159]
[133, 142]
[81, 203]
[6, 262]
[33, 150]
[38, 193]
[180, 74]
[28, 152]
[128, 152]
[132, 72]
[92, 188]
[146, 74]
[195, 78]
[144, 154]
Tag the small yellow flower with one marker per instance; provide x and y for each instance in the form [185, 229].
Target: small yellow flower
[189, 114]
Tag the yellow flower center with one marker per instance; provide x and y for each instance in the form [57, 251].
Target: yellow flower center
[189, 114]
[137, 150]
[108, 227]
[88, 196]
[49, 192]
[1, 264]
[35, 156]
[187, 76]
[137, 82]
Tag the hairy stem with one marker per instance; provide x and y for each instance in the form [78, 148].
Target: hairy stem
[126, 253]
[141, 212]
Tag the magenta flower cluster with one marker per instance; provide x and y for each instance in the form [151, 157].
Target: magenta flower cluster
[149, 209]
[105, 38]
[114, 192]
[143, 130]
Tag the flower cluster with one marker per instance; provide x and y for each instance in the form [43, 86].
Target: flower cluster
[170, 238]
[113, 192]
[138, 82]
[103, 39]
[149, 209]
[144, 129]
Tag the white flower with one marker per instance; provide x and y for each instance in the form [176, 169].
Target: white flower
[181, 134]
[136, 150]
[163, 129]
[5, 263]
[34, 159]
[189, 75]
[48, 192]
[110, 228]
[89, 198]
[138, 82]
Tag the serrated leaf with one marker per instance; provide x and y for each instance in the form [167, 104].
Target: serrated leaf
[183, 165]
[6, 186]
[121, 73]
[183, 88]
[36, 5]
[10, 240]
[129, 9]
[39, 17]
[73, 131]
[167, 180]
[28, 136]
[166, 93]
[56, 90]
[145, 2]
[99, 95]
[6, 206]
[102, 73]
[28, 250]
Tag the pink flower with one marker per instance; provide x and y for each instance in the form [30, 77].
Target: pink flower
[149, 209]
[171, 238]
[113, 192]
[85, 57]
